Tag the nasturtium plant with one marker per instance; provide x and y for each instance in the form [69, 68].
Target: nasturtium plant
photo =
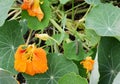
[59, 41]
[104, 20]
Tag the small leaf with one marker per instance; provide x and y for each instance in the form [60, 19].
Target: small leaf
[104, 20]
[33, 22]
[72, 78]
[10, 39]
[4, 8]
[108, 59]
[93, 1]
[74, 51]
[117, 79]
[6, 78]
[58, 66]
[91, 38]
[64, 1]
[58, 37]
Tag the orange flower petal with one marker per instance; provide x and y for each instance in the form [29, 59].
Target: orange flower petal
[29, 69]
[20, 66]
[37, 10]
[33, 8]
[88, 64]
[26, 4]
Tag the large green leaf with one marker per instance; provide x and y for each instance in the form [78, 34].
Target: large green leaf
[108, 59]
[6, 77]
[10, 39]
[93, 1]
[74, 50]
[58, 66]
[33, 22]
[117, 79]
[4, 8]
[104, 20]
[72, 78]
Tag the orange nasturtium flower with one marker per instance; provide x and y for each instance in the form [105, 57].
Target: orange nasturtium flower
[30, 60]
[88, 63]
[33, 8]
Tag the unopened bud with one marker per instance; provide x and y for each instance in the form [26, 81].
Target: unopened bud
[42, 36]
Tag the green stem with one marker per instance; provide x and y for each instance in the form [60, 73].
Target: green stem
[28, 39]
[72, 10]
[56, 25]
[75, 7]
[78, 11]
[83, 18]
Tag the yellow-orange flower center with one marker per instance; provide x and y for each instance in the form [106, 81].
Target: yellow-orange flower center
[88, 63]
[33, 8]
[30, 59]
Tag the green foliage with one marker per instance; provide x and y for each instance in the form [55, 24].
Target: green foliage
[72, 78]
[6, 77]
[4, 8]
[33, 22]
[93, 2]
[64, 1]
[104, 20]
[10, 39]
[58, 66]
[74, 50]
[108, 58]
[91, 38]
[76, 29]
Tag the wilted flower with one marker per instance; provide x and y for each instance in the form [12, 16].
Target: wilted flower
[42, 36]
[33, 8]
[30, 60]
[88, 63]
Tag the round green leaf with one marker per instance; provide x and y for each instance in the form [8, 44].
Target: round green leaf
[6, 77]
[72, 78]
[33, 22]
[108, 59]
[104, 20]
[10, 39]
[74, 50]
[4, 8]
[58, 66]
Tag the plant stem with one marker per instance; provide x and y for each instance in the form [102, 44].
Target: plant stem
[83, 18]
[72, 10]
[28, 39]
[56, 25]
[76, 7]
